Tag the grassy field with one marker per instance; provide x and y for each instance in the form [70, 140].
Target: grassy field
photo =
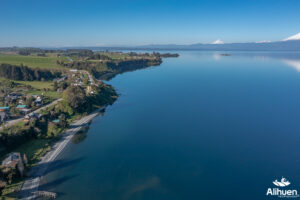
[52, 94]
[49, 61]
[37, 84]
[34, 149]
[38, 88]
[116, 56]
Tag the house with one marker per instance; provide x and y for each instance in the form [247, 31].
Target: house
[89, 90]
[15, 160]
[21, 101]
[10, 99]
[4, 109]
[32, 116]
[78, 84]
[56, 121]
[23, 108]
[20, 107]
[61, 79]
[11, 160]
[25, 111]
[3, 117]
[38, 100]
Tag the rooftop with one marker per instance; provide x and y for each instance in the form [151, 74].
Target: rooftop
[12, 157]
[56, 121]
[21, 106]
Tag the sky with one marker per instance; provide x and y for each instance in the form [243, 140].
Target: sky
[58, 23]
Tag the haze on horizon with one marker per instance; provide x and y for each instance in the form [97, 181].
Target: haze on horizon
[59, 23]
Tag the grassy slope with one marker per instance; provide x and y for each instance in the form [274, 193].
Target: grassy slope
[33, 61]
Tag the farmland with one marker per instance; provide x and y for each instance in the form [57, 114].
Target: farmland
[33, 61]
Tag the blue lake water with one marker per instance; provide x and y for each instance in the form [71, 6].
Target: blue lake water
[201, 126]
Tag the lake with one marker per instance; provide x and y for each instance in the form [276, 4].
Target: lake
[201, 126]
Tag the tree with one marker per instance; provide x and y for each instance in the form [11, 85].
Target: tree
[63, 121]
[15, 111]
[2, 186]
[85, 81]
[29, 101]
[52, 131]
[75, 97]
[55, 86]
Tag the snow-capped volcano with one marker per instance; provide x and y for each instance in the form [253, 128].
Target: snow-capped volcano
[294, 37]
[218, 41]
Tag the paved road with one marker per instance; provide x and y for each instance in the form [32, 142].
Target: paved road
[12, 122]
[91, 79]
[32, 184]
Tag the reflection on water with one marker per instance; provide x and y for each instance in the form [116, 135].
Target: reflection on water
[293, 63]
[291, 59]
[80, 136]
[201, 126]
[217, 56]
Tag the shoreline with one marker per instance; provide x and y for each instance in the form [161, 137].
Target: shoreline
[32, 183]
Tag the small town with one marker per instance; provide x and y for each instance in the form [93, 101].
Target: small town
[19, 105]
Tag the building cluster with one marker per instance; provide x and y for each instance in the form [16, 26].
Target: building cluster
[74, 76]
[18, 101]
[15, 161]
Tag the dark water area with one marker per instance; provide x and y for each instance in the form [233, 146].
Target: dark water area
[201, 126]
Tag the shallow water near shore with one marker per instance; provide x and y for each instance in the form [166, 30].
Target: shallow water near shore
[201, 126]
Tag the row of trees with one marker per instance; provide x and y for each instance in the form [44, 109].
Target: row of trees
[28, 51]
[25, 73]
[79, 52]
[99, 56]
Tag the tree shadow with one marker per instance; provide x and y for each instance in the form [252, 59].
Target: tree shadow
[45, 168]
[49, 186]
[81, 125]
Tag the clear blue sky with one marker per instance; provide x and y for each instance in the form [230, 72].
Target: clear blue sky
[136, 22]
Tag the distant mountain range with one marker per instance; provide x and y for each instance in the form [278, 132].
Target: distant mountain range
[289, 44]
[292, 45]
